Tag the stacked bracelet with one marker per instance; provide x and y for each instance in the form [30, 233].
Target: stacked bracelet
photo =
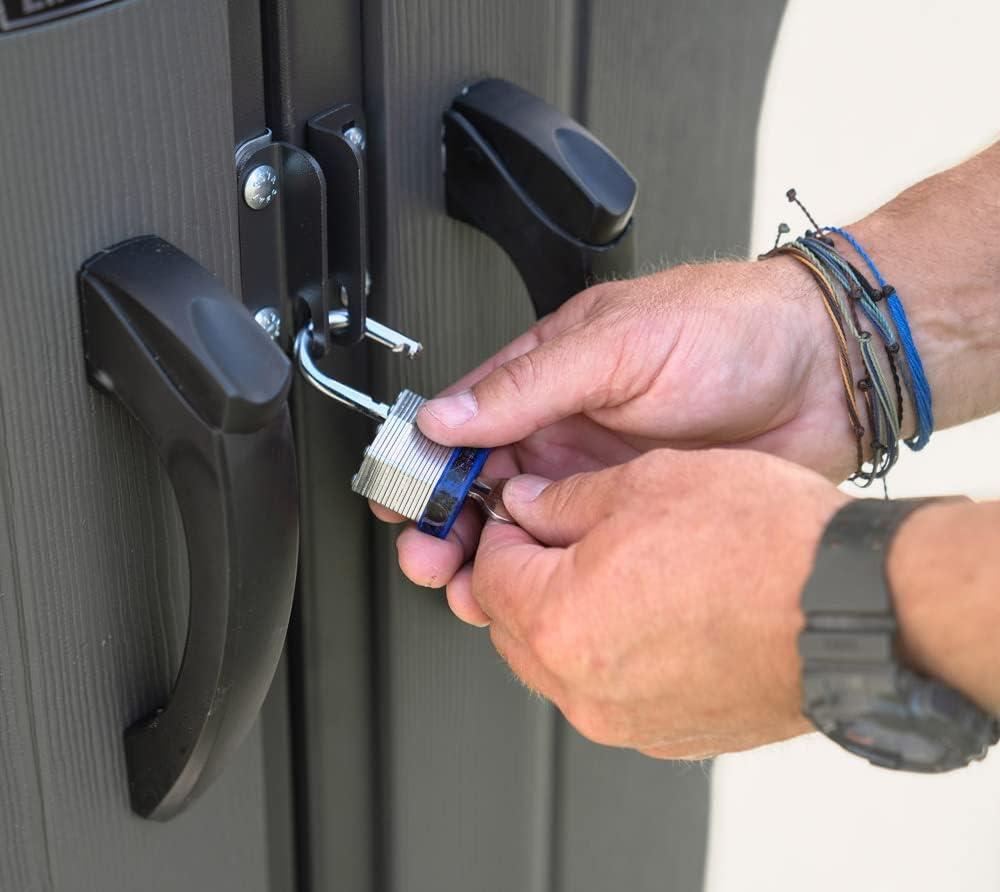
[833, 311]
[884, 400]
[852, 303]
[919, 387]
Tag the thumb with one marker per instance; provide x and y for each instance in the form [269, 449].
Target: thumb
[559, 378]
[563, 512]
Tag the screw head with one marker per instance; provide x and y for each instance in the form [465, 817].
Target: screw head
[269, 319]
[356, 137]
[261, 187]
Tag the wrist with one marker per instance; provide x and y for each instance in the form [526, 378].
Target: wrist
[944, 574]
[948, 287]
[832, 450]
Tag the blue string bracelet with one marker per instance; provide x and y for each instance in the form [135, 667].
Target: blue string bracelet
[921, 388]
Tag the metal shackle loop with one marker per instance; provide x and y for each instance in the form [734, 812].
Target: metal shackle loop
[336, 390]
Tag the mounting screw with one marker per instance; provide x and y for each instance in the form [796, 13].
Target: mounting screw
[268, 319]
[356, 137]
[261, 187]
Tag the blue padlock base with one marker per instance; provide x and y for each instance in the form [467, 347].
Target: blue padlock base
[451, 491]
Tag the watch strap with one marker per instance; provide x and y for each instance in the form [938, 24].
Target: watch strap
[853, 688]
[847, 600]
[849, 573]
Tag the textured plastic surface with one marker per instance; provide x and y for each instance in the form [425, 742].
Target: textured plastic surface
[451, 491]
[165, 338]
[674, 89]
[551, 194]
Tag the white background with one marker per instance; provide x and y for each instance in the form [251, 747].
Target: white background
[915, 87]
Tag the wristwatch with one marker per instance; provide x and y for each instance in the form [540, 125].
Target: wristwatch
[853, 687]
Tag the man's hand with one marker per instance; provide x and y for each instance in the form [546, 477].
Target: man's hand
[656, 603]
[722, 353]
[729, 354]
[654, 595]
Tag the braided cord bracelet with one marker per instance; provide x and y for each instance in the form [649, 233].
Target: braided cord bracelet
[881, 410]
[852, 326]
[843, 355]
[852, 302]
[860, 289]
[923, 404]
[886, 410]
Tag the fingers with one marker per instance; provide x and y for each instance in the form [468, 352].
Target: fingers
[384, 514]
[561, 377]
[550, 372]
[511, 577]
[522, 344]
[569, 314]
[563, 512]
[432, 562]
[461, 600]
[571, 446]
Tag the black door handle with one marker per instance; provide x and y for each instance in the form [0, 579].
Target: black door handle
[545, 188]
[165, 337]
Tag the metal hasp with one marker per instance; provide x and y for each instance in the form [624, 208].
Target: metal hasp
[543, 187]
[304, 228]
[209, 387]
[336, 139]
[284, 264]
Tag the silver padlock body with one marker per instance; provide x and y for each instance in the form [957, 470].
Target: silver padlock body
[401, 467]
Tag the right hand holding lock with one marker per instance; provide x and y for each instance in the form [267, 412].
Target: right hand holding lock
[656, 596]
[625, 367]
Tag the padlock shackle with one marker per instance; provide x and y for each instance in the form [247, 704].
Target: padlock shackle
[379, 333]
[336, 390]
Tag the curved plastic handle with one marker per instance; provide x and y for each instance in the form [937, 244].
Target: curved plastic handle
[164, 337]
[548, 191]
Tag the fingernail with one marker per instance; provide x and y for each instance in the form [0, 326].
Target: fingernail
[525, 488]
[455, 410]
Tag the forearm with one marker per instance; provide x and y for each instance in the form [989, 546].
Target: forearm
[938, 243]
[944, 568]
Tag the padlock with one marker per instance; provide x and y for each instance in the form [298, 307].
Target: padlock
[401, 469]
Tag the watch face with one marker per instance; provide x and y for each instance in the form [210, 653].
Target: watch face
[904, 722]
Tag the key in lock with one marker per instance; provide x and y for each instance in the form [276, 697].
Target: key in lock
[403, 470]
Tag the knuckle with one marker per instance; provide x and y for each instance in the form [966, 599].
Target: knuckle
[564, 495]
[605, 294]
[518, 376]
[553, 638]
[547, 639]
[563, 646]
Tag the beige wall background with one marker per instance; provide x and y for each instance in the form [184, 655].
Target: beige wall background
[923, 79]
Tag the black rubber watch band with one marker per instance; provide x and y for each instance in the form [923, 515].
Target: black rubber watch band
[853, 688]
[849, 573]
